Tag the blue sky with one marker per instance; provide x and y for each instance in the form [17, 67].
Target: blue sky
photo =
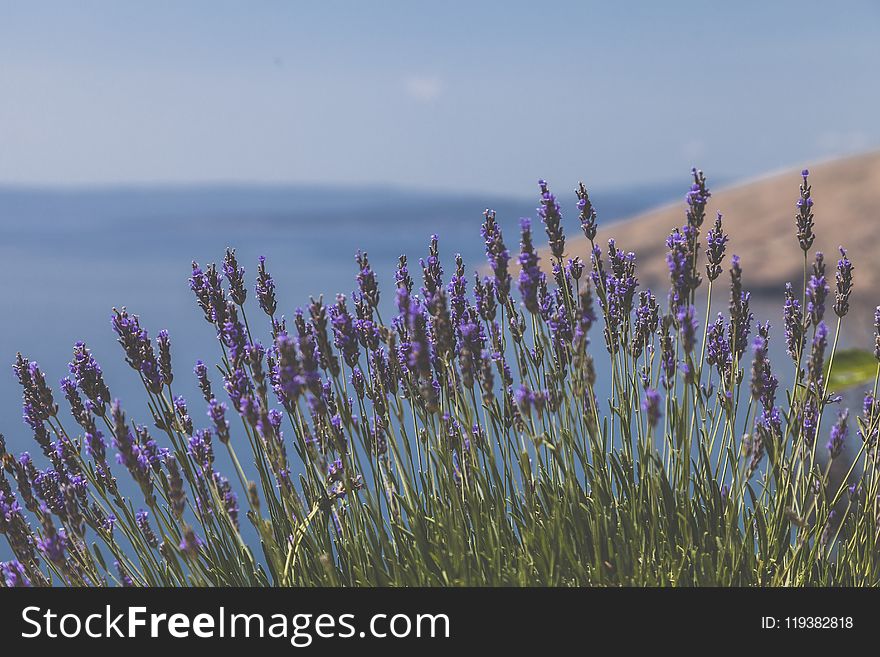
[454, 96]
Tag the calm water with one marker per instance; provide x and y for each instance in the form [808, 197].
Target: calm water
[68, 257]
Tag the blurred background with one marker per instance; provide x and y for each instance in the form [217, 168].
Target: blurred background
[135, 137]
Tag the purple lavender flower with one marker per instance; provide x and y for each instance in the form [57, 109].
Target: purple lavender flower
[697, 198]
[164, 343]
[647, 319]
[587, 213]
[432, 271]
[143, 525]
[238, 387]
[828, 530]
[265, 289]
[764, 384]
[839, 433]
[201, 372]
[530, 275]
[524, 399]
[402, 277]
[233, 335]
[620, 288]
[36, 394]
[130, 454]
[680, 261]
[844, 284]
[109, 523]
[809, 419]
[740, 316]
[804, 217]
[138, 349]
[217, 413]
[877, 333]
[227, 497]
[716, 242]
[817, 290]
[415, 351]
[176, 493]
[550, 214]
[497, 254]
[344, 335]
[457, 289]
[574, 268]
[89, 378]
[358, 382]
[816, 363]
[14, 575]
[667, 353]
[326, 358]
[584, 318]
[235, 277]
[442, 330]
[96, 446]
[794, 324]
[687, 326]
[201, 449]
[124, 577]
[183, 416]
[651, 406]
[53, 543]
[190, 543]
[484, 298]
[366, 280]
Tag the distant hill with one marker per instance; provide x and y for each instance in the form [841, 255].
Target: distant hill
[759, 215]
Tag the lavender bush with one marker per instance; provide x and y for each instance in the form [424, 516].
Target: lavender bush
[464, 441]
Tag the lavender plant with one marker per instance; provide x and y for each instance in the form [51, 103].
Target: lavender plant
[467, 440]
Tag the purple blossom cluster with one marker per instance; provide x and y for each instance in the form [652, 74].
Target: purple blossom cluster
[466, 365]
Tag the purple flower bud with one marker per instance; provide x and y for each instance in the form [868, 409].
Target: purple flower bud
[190, 543]
[844, 284]
[164, 343]
[497, 255]
[14, 575]
[804, 217]
[697, 198]
[235, 277]
[687, 326]
[550, 214]
[366, 280]
[716, 242]
[587, 213]
[839, 434]
[530, 275]
[138, 349]
[344, 335]
[265, 289]
[794, 324]
[651, 406]
[89, 378]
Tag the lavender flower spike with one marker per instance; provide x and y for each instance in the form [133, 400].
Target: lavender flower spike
[839, 433]
[804, 217]
[716, 242]
[844, 284]
[552, 218]
[587, 213]
[651, 406]
[530, 275]
[235, 276]
[877, 333]
[265, 289]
